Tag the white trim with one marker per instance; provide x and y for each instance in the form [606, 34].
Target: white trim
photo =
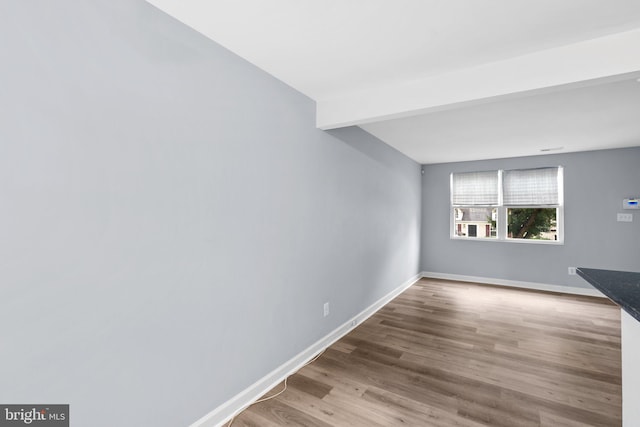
[502, 220]
[515, 284]
[509, 240]
[239, 402]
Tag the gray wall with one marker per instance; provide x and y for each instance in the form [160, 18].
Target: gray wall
[595, 184]
[171, 221]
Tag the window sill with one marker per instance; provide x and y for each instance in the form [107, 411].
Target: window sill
[519, 241]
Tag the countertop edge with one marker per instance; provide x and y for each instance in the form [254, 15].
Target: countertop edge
[611, 292]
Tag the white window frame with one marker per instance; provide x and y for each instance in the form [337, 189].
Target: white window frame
[502, 219]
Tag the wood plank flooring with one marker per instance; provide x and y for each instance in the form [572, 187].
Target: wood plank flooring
[460, 354]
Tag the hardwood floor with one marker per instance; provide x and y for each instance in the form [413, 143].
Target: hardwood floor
[458, 354]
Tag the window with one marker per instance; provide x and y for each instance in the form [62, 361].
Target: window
[508, 205]
[474, 197]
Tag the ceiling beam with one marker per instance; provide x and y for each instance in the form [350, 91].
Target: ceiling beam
[610, 58]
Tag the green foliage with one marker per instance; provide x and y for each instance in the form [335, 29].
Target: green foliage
[530, 223]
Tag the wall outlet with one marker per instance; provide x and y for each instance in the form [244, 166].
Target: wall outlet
[326, 309]
[625, 217]
[572, 271]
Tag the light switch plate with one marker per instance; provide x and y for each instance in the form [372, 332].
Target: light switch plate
[625, 217]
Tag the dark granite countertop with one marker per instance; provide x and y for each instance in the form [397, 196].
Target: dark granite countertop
[622, 287]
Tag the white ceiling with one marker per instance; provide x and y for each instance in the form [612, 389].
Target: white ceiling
[590, 118]
[447, 80]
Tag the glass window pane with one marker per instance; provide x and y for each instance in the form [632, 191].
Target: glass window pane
[532, 223]
[473, 221]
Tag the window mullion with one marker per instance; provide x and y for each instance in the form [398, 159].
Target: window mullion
[502, 222]
[502, 211]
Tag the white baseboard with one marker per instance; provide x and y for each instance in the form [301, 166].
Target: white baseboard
[515, 284]
[242, 400]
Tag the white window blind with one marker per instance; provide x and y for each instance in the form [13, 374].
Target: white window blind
[474, 188]
[531, 187]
